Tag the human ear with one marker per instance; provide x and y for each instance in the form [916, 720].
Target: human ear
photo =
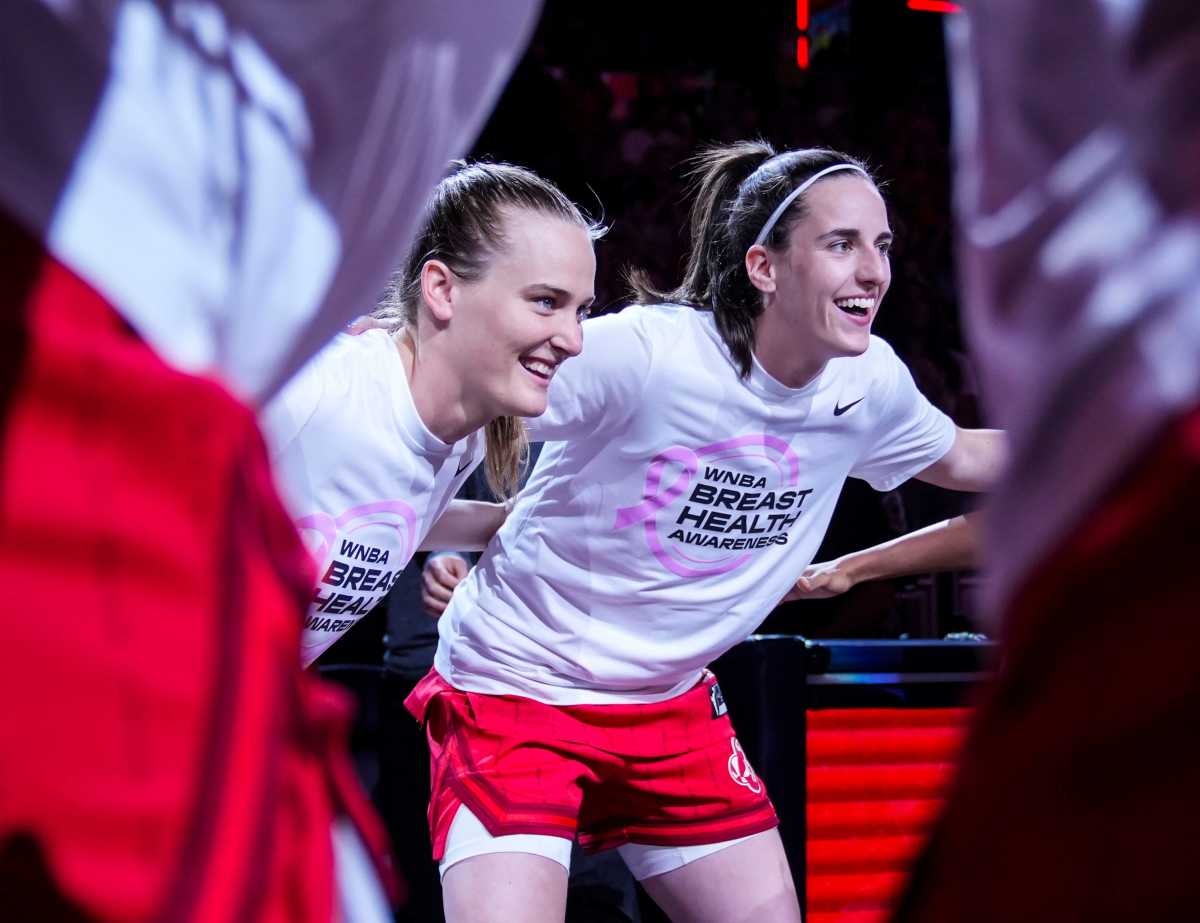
[760, 267]
[437, 289]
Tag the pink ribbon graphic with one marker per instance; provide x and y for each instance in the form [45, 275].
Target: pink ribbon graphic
[380, 512]
[656, 496]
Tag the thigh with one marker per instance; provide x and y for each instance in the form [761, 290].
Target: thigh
[748, 881]
[502, 878]
[503, 887]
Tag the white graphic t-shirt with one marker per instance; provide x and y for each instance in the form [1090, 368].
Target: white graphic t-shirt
[363, 477]
[672, 507]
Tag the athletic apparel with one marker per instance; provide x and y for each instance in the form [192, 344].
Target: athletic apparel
[1080, 235]
[239, 177]
[468, 838]
[669, 773]
[672, 507]
[161, 755]
[1078, 780]
[363, 476]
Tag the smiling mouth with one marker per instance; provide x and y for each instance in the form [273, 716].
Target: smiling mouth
[855, 307]
[540, 369]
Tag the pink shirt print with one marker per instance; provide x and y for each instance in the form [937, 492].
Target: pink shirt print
[706, 511]
[360, 553]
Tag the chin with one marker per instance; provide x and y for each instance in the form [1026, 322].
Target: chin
[848, 349]
[856, 346]
[531, 406]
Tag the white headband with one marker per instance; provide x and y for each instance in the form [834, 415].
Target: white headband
[791, 196]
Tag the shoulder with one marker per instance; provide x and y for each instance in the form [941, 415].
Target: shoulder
[880, 352]
[351, 362]
[659, 325]
[631, 336]
[346, 365]
[647, 318]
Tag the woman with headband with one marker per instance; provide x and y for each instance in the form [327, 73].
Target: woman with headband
[694, 456]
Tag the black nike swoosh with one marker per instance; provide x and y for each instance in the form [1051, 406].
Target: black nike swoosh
[467, 464]
[838, 410]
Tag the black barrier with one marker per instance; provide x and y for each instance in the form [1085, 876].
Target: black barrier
[764, 681]
[771, 682]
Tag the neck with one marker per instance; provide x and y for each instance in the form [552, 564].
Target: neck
[436, 391]
[777, 351]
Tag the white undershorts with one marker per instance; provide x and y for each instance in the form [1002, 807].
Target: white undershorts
[468, 837]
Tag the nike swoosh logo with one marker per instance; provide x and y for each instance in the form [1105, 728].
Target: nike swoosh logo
[467, 464]
[839, 410]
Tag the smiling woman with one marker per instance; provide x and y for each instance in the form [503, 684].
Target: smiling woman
[694, 454]
[377, 434]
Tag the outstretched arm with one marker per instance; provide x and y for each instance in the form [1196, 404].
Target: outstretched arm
[952, 544]
[466, 525]
[974, 461]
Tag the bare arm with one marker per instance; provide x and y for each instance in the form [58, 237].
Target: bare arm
[974, 462]
[466, 525]
[952, 544]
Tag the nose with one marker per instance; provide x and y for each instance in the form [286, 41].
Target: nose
[568, 334]
[873, 268]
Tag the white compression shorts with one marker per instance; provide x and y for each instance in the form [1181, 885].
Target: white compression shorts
[468, 837]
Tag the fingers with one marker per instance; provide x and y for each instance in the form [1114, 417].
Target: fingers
[432, 606]
[801, 590]
[818, 582]
[435, 595]
[438, 580]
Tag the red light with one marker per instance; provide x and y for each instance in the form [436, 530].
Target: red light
[934, 6]
[802, 41]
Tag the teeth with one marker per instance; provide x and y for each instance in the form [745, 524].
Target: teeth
[861, 304]
[536, 365]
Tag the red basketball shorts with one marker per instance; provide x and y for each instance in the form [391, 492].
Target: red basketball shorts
[665, 774]
[162, 756]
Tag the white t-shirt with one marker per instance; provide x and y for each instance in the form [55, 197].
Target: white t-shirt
[672, 507]
[361, 474]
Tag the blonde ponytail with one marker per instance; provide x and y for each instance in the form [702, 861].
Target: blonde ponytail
[507, 454]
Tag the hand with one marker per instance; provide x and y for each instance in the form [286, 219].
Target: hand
[821, 581]
[438, 580]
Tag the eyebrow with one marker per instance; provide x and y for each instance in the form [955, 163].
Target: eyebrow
[853, 234]
[560, 293]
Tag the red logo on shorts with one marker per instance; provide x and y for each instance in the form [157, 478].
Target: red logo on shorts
[740, 769]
